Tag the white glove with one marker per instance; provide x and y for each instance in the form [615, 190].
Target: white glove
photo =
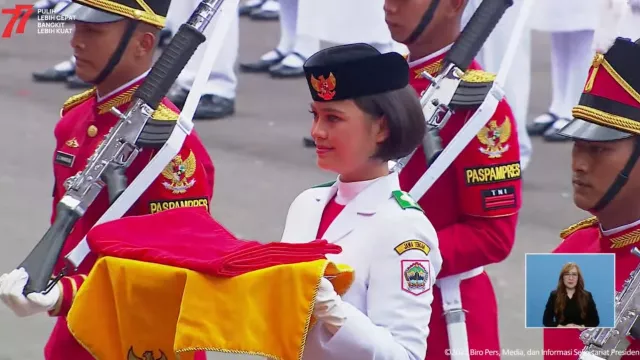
[329, 308]
[11, 287]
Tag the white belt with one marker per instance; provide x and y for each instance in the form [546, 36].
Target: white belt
[450, 287]
[454, 313]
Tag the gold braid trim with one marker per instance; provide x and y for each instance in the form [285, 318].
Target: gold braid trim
[161, 113]
[432, 69]
[578, 226]
[123, 98]
[147, 15]
[625, 240]
[605, 119]
[622, 82]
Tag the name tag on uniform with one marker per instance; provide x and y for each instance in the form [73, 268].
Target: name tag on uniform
[64, 159]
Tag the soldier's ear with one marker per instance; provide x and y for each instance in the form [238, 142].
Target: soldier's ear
[146, 40]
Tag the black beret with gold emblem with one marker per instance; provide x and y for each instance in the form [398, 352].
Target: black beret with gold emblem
[609, 108]
[152, 12]
[350, 71]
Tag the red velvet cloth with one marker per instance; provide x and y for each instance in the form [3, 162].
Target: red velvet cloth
[190, 238]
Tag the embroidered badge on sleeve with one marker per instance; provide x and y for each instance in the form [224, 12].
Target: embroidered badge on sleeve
[499, 198]
[415, 276]
[179, 174]
[494, 138]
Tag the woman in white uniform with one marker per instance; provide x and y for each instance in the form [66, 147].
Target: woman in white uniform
[365, 114]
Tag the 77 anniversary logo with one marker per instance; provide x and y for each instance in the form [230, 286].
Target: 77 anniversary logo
[48, 21]
[20, 10]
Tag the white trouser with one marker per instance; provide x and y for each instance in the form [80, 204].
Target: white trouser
[518, 83]
[290, 38]
[571, 57]
[222, 80]
[454, 312]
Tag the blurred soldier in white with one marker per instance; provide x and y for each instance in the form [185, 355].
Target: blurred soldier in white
[355, 21]
[260, 9]
[287, 58]
[571, 24]
[631, 24]
[517, 87]
[218, 95]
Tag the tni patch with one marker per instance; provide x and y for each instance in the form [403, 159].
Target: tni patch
[415, 276]
[499, 198]
[64, 159]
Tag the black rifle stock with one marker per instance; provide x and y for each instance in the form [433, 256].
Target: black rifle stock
[106, 168]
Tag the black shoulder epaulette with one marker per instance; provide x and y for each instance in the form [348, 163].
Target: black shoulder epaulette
[578, 226]
[76, 100]
[158, 129]
[327, 184]
[473, 88]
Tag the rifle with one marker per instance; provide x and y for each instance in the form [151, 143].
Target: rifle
[448, 90]
[134, 130]
[611, 343]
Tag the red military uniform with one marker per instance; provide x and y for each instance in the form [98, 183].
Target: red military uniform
[586, 237]
[608, 111]
[474, 208]
[186, 181]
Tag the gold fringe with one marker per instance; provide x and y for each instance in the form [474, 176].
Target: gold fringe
[578, 226]
[77, 99]
[478, 76]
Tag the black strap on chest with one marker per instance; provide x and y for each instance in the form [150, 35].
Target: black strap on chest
[117, 54]
[424, 22]
[621, 179]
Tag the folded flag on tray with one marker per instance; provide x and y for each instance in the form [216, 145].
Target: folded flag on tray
[177, 282]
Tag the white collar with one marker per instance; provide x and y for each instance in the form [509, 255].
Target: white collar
[348, 191]
[619, 228]
[425, 59]
[138, 78]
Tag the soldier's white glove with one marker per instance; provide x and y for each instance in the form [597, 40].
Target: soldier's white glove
[11, 287]
[329, 307]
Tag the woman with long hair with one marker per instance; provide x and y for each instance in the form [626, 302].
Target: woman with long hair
[570, 305]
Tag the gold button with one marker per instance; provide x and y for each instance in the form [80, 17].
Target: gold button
[137, 14]
[92, 131]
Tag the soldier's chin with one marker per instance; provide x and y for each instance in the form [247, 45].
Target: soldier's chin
[85, 74]
[583, 201]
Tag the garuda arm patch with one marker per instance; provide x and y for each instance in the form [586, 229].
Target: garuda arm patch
[412, 245]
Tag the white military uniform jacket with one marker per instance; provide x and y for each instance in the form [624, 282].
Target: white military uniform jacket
[393, 249]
